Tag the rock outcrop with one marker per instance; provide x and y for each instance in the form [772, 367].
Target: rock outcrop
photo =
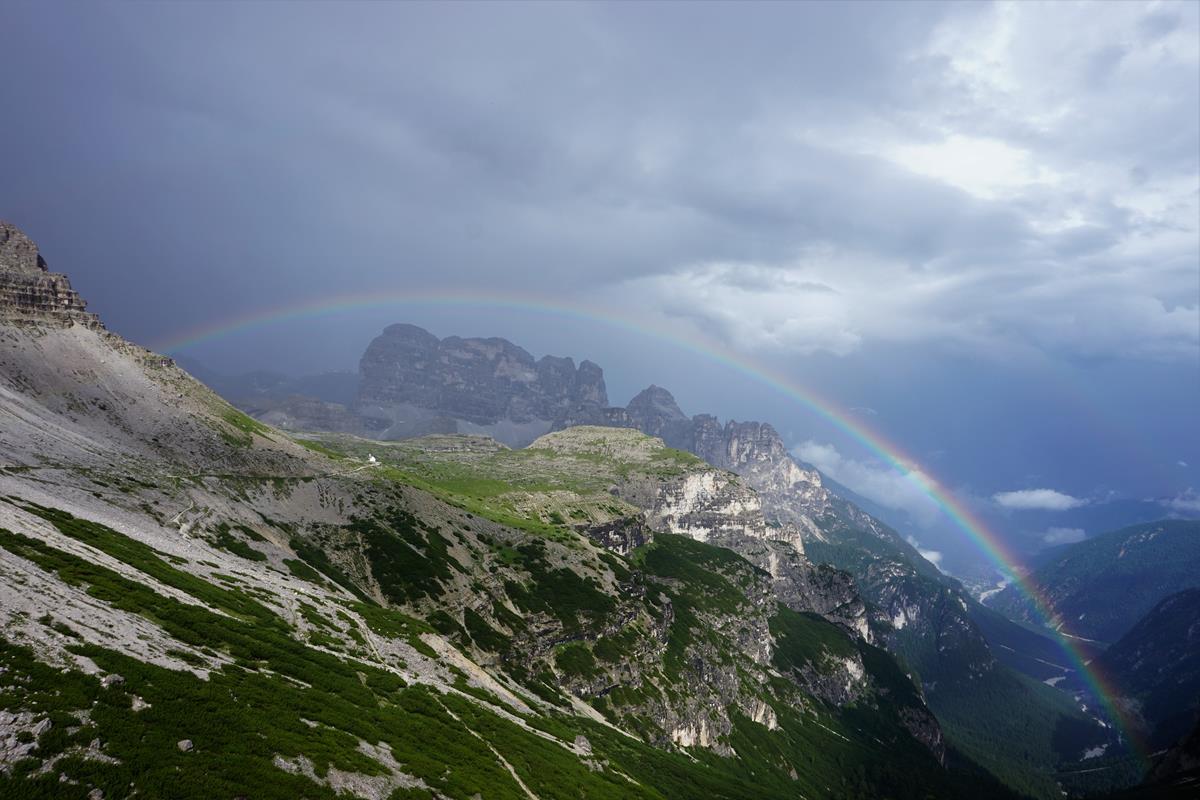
[29, 291]
[413, 383]
[919, 611]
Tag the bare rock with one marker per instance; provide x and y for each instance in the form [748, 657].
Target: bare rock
[185, 745]
[29, 292]
[413, 384]
[18, 253]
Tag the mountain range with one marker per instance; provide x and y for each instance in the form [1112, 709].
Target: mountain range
[945, 639]
[1101, 587]
[540, 595]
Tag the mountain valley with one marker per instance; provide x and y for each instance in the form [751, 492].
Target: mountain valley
[538, 596]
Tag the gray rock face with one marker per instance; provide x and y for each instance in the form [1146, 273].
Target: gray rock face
[29, 292]
[413, 383]
[912, 603]
[18, 253]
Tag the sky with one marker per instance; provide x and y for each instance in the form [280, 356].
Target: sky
[974, 227]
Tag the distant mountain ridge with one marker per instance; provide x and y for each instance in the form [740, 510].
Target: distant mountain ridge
[1155, 667]
[412, 383]
[1102, 586]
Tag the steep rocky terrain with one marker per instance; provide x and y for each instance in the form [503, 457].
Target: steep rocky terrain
[1102, 586]
[412, 383]
[1155, 668]
[936, 628]
[29, 292]
[194, 605]
[943, 636]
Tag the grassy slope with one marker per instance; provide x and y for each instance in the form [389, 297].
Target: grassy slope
[263, 703]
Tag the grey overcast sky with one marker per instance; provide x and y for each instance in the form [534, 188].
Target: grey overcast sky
[974, 224]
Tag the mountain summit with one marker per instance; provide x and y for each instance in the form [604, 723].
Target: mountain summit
[29, 291]
[412, 383]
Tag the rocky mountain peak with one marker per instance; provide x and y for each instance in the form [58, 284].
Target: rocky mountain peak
[655, 402]
[413, 383]
[29, 292]
[18, 253]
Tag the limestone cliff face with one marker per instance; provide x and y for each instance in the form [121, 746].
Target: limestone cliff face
[412, 383]
[29, 291]
[719, 507]
[710, 506]
[792, 495]
[916, 606]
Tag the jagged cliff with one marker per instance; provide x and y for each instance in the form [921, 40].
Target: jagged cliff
[927, 613]
[29, 292]
[412, 383]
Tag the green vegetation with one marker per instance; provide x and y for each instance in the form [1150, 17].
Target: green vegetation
[409, 559]
[225, 540]
[483, 634]
[314, 557]
[699, 578]
[303, 571]
[576, 660]
[239, 429]
[560, 481]
[318, 447]
[1102, 586]
[806, 639]
[1006, 722]
[283, 698]
[557, 591]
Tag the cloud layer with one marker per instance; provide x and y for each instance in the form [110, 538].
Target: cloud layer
[798, 178]
[1037, 500]
[1186, 502]
[879, 483]
[1064, 535]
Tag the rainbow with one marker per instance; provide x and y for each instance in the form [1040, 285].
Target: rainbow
[985, 539]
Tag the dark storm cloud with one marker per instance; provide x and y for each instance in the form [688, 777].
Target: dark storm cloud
[557, 147]
[1010, 183]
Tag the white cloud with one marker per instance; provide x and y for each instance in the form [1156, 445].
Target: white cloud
[932, 556]
[1186, 502]
[1038, 500]
[1064, 535]
[1182, 463]
[988, 212]
[987, 168]
[884, 485]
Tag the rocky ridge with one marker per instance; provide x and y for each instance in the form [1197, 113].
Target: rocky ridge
[412, 383]
[29, 292]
